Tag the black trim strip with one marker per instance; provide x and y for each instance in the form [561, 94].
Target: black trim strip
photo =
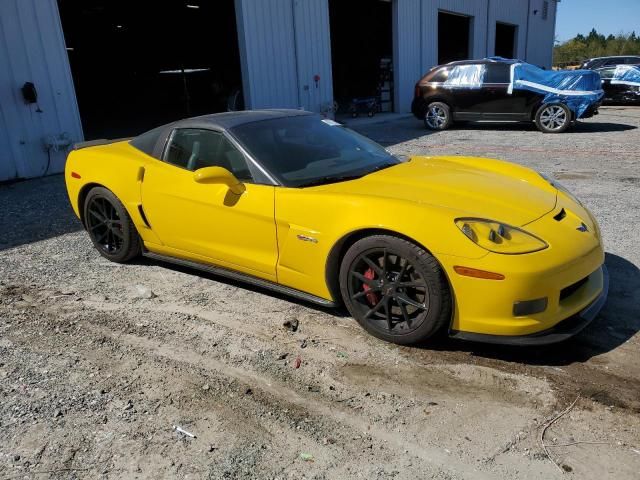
[144, 217]
[242, 277]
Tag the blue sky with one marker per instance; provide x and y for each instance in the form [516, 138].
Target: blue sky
[606, 16]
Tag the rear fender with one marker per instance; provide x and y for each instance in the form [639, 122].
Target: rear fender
[118, 167]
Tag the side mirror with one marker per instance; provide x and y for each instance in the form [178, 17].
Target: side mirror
[219, 175]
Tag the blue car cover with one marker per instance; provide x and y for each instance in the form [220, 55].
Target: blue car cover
[577, 89]
[626, 75]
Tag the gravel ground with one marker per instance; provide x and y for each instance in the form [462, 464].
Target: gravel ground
[99, 362]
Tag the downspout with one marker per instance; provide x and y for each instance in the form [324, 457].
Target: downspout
[486, 46]
[526, 38]
[295, 52]
[553, 38]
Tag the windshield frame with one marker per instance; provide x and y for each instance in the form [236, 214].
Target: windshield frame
[320, 179]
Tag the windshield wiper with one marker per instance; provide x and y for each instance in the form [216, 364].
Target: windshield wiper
[330, 179]
[343, 178]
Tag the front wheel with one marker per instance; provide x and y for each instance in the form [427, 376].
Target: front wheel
[394, 289]
[438, 116]
[110, 227]
[554, 118]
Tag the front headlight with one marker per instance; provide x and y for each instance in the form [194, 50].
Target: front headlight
[498, 237]
[556, 184]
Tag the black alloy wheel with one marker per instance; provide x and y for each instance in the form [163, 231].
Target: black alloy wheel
[105, 225]
[110, 227]
[395, 289]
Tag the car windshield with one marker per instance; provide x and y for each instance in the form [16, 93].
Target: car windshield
[305, 150]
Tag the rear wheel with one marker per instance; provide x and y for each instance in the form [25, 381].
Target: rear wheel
[438, 116]
[553, 118]
[395, 289]
[110, 227]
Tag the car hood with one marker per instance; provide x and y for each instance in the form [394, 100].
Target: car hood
[475, 187]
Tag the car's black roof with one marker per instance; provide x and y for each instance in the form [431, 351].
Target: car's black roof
[229, 120]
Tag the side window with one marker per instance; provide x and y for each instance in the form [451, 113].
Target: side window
[466, 76]
[498, 73]
[632, 60]
[193, 148]
[606, 72]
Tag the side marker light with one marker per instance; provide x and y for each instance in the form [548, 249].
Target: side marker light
[475, 273]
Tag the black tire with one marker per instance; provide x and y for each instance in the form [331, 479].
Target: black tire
[412, 304]
[438, 116]
[553, 118]
[110, 227]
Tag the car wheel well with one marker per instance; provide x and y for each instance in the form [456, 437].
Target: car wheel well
[82, 196]
[339, 249]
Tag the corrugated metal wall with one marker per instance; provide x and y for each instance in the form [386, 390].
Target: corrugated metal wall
[32, 49]
[313, 52]
[283, 45]
[514, 13]
[542, 33]
[407, 51]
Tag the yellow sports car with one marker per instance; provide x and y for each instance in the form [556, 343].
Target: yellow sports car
[482, 249]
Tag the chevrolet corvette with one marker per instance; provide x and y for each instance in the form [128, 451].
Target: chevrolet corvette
[475, 248]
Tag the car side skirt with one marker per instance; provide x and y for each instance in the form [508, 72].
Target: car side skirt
[242, 277]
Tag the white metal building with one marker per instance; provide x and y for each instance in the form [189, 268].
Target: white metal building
[111, 68]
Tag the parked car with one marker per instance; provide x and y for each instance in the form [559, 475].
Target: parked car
[477, 248]
[474, 90]
[617, 92]
[600, 62]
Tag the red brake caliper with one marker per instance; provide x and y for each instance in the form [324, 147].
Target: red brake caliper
[372, 297]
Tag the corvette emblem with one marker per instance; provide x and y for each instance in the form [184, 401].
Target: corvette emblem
[582, 228]
[306, 238]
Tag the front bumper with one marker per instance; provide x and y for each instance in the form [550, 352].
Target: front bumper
[568, 278]
[419, 108]
[563, 330]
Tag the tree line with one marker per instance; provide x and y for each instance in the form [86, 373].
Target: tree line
[595, 44]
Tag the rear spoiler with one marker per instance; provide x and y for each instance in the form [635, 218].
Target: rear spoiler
[95, 143]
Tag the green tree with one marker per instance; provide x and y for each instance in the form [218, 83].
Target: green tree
[594, 44]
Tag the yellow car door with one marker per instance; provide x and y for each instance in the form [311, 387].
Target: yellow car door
[208, 221]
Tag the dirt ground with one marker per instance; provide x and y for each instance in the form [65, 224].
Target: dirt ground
[95, 375]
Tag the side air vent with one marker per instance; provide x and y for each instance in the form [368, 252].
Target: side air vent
[144, 217]
[560, 215]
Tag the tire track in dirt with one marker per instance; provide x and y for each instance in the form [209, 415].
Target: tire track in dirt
[284, 394]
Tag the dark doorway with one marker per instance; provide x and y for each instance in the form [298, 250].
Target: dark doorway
[454, 37]
[139, 64]
[505, 40]
[362, 51]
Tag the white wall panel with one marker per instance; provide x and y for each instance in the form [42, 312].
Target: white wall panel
[407, 51]
[266, 39]
[284, 44]
[313, 54]
[32, 50]
[541, 34]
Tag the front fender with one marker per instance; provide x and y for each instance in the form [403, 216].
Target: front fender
[310, 225]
